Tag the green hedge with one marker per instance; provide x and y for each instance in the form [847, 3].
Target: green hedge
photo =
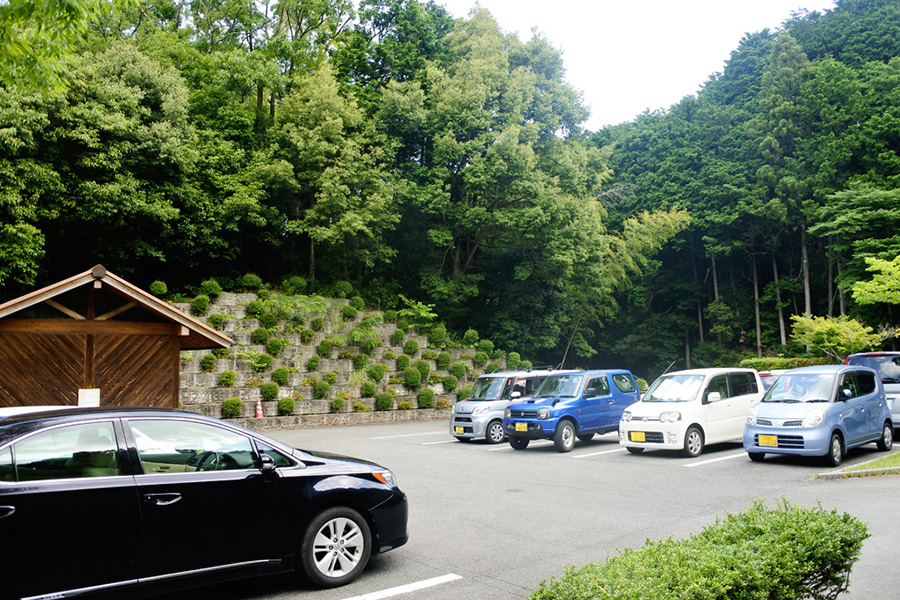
[784, 553]
[771, 363]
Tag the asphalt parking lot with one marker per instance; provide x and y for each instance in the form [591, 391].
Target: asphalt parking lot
[488, 522]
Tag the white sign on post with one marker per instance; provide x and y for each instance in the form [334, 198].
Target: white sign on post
[89, 397]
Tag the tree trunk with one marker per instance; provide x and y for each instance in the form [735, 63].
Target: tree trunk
[781, 327]
[756, 308]
[312, 259]
[699, 302]
[804, 259]
[687, 349]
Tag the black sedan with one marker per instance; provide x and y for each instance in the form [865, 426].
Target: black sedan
[122, 503]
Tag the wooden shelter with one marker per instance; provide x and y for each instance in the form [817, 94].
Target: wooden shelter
[95, 336]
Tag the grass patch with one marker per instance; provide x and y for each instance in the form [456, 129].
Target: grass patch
[885, 462]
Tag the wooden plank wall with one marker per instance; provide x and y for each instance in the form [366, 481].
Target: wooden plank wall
[129, 370]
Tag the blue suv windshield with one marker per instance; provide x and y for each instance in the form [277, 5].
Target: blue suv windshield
[566, 386]
[674, 388]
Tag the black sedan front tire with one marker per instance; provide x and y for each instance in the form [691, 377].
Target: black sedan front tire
[336, 547]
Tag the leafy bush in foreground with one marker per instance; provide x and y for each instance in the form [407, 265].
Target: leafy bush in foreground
[785, 553]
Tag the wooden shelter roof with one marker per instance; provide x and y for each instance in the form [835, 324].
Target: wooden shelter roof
[114, 299]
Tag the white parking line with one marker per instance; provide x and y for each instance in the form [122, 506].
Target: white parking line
[405, 589]
[440, 442]
[598, 453]
[390, 437]
[712, 460]
[531, 445]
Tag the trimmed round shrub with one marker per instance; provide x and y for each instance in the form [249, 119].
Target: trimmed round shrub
[227, 378]
[337, 405]
[498, 354]
[480, 358]
[360, 361]
[470, 338]
[281, 375]
[450, 382]
[211, 288]
[216, 320]
[159, 289]
[493, 367]
[384, 401]
[525, 365]
[275, 346]
[286, 405]
[464, 392]
[293, 284]
[459, 369]
[232, 407]
[411, 347]
[199, 305]
[402, 362]
[389, 355]
[263, 294]
[317, 324]
[405, 405]
[411, 377]
[269, 320]
[331, 377]
[348, 313]
[342, 289]
[360, 407]
[486, 346]
[251, 282]
[390, 316]
[313, 363]
[321, 389]
[368, 389]
[376, 372]
[397, 337]
[306, 336]
[368, 345]
[423, 367]
[259, 335]
[208, 363]
[268, 391]
[425, 398]
[357, 302]
[262, 362]
[437, 334]
[443, 360]
[513, 360]
[324, 348]
[255, 308]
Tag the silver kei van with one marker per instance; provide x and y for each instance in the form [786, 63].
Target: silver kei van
[481, 414]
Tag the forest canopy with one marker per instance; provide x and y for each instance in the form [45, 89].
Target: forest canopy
[443, 160]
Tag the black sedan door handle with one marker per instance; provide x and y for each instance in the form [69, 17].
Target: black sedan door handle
[7, 511]
[162, 499]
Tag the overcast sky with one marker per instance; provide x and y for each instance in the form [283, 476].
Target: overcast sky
[626, 56]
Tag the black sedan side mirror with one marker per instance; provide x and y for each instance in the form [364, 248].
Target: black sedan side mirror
[267, 463]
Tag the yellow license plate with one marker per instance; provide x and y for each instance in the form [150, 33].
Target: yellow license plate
[521, 426]
[638, 436]
[768, 440]
[458, 429]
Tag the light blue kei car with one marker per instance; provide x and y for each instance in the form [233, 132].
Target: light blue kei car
[820, 411]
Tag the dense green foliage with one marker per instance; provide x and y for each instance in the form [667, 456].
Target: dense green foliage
[437, 168]
[781, 553]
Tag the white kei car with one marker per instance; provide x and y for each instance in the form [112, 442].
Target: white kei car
[686, 410]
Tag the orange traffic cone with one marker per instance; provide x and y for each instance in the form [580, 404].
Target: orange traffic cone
[259, 412]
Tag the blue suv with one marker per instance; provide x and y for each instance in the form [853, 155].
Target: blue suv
[569, 406]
